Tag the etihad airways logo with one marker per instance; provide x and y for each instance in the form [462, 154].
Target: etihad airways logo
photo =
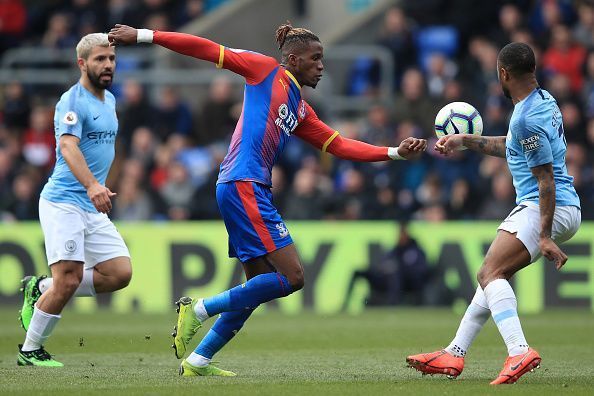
[102, 137]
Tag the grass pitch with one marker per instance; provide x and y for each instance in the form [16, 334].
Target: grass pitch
[107, 353]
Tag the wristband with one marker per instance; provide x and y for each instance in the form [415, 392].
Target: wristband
[144, 36]
[393, 153]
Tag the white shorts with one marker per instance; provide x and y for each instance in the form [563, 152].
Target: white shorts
[72, 233]
[524, 221]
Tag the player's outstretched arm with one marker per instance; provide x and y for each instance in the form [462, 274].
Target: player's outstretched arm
[100, 195]
[546, 202]
[182, 43]
[355, 150]
[489, 145]
[318, 134]
[251, 65]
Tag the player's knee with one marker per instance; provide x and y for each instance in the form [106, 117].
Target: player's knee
[66, 285]
[487, 274]
[297, 279]
[124, 277]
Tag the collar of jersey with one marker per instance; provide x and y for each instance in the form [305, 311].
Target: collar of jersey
[292, 77]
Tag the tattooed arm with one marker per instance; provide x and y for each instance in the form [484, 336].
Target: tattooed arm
[546, 202]
[490, 145]
[546, 197]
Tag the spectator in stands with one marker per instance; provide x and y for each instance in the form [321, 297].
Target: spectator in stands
[397, 36]
[461, 202]
[216, 122]
[188, 11]
[587, 95]
[565, 56]
[510, 21]
[573, 123]
[413, 104]
[177, 192]
[173, 115]
[59, 32]
[480, 68]
[441, 70]
[143, 146]
[87, 16]
[501, 200]
[7, 168]
[162, 160]
[38, 142]
[378, 128]
[133, 203]
[16, 107]
[135, 111]
[303, 201]
[23, 197]
[158, 21]
[583, 31]
[13, 18]
[121, 11]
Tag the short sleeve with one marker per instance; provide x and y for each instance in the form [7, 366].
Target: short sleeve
[69, 117]
[534, 142]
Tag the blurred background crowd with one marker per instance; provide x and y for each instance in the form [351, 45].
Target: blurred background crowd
[169, 149]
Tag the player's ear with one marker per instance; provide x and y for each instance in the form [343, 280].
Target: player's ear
[81, 64]
[292, 59]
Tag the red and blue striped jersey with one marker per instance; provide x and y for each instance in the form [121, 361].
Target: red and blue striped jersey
[273, 110]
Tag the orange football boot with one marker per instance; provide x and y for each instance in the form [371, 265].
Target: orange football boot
[516, 366]
[439, 362]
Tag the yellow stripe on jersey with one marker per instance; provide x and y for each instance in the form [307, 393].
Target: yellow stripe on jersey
[292, 77]
[330, 139]
[221, 56]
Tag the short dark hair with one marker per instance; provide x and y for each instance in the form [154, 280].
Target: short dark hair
[289, 38]
[518, 59]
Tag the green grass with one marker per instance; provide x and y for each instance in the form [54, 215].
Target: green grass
[297, 355]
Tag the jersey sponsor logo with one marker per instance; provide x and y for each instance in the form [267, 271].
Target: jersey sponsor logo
[70, 118]
[286, 120]
[102, 137]
[282, 230]
[283, 111]
[530, 144]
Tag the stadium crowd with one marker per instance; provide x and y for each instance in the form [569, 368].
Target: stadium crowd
[168, 151]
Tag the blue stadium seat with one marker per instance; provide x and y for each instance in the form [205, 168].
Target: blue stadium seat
[441, 39]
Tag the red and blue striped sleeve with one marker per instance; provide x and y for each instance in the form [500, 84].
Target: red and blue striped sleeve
[318, 134]
[251, 65]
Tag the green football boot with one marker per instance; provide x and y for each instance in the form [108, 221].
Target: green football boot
[187, 370]
[38, 357]
[187, 325]
[31, 294]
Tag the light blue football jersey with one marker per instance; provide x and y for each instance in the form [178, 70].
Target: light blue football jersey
[536, 137]
[95, 123]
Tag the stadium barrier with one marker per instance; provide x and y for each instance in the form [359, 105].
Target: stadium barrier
[174, 259]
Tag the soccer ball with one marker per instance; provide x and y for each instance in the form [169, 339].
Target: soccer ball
[456, 118]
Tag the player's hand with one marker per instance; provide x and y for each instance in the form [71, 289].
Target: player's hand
[100, 197]
[552, 252]
[412, 148]
[449, 144]
[122, 35]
